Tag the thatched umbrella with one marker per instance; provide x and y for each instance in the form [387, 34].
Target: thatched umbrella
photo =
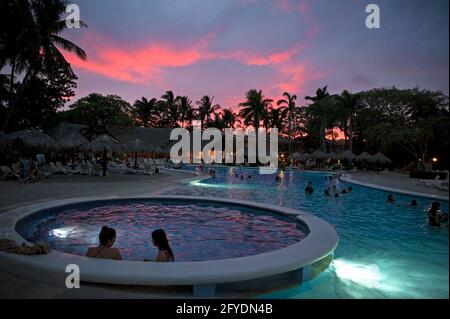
[380, 157]
[102, 143]
[72, 141]
[32, 138]
[299, 156]
[319, 154]
[347, 155]
[65, 129]
[366, 157]
[138, 145]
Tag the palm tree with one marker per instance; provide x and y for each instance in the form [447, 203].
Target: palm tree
[217, 122]
[229, 118]
[205, 109]
[274, 119]
[255, 108]
[319, 112]
[289, 107]
[348, 105]
[146, 112]
[171, 108]
[31, 44]
[186, 110]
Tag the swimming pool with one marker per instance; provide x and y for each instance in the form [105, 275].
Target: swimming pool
[197, 231]
[385, 251]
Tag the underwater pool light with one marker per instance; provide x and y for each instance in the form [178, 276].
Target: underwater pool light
[366, 275]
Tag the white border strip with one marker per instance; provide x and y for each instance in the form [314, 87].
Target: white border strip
[349, 179]
[319, 243]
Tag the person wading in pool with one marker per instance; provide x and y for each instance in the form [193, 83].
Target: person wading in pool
[160, 241]
[107, 238]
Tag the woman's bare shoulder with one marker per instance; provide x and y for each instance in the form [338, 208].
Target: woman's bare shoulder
[91, 251]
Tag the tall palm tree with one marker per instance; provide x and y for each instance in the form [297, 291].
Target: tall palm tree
[254, 108]
[348, 105]
[186, 110]
[145, 112]
[229, 118]
[171, 111]
[217, 122]
[274, 119]
[319, 111]
[289, 108]
[31, 43]
[205, 109]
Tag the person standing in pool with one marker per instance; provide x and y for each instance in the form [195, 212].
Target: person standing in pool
[309, 189]
[390, 199]
[160, 241]
[107, 238]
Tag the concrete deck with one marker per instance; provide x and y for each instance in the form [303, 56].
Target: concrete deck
[400, 182]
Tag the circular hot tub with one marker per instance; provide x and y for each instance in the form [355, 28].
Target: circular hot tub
[219, 245]
[197, 230]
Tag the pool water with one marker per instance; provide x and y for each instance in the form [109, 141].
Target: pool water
[385, 250]
[196, 231]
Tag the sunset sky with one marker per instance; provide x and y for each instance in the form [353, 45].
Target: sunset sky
[223, 48]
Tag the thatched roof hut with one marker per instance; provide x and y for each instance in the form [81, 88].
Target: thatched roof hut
[366, 157]
[103, 142]
[153, 139]
[65, 129]
[72, 141]
[381, 158]
[32, 138]
[348, 155]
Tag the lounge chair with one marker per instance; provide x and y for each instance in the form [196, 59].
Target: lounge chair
[7, 172]
[67, 170]
[148, 169]
[85, 169]
[97, 169]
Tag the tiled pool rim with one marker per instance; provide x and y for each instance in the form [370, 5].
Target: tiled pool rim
[296, 260]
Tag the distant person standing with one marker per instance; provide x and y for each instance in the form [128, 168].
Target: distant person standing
[309, 189]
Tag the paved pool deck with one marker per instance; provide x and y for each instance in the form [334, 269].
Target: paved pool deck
[397, 182]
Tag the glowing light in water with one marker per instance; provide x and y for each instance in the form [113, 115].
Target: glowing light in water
[63, 232]
[365, 275]
[199, 183]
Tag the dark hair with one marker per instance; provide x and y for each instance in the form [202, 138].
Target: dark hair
[160, 238]
[390, 197]
[106, 234]
[434, 206]
[414, 202]
[336, 195]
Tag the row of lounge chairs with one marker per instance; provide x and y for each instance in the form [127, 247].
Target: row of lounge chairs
[15, 172]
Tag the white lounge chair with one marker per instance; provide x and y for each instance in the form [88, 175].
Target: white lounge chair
[85, 169]
[7, 172]
[68, 170]
[59, 169]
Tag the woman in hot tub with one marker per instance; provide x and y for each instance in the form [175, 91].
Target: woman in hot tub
[107, 238]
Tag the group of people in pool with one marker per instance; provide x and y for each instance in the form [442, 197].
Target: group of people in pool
[330, 190]
[435, 216]
[242, 177]
[107, 238]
